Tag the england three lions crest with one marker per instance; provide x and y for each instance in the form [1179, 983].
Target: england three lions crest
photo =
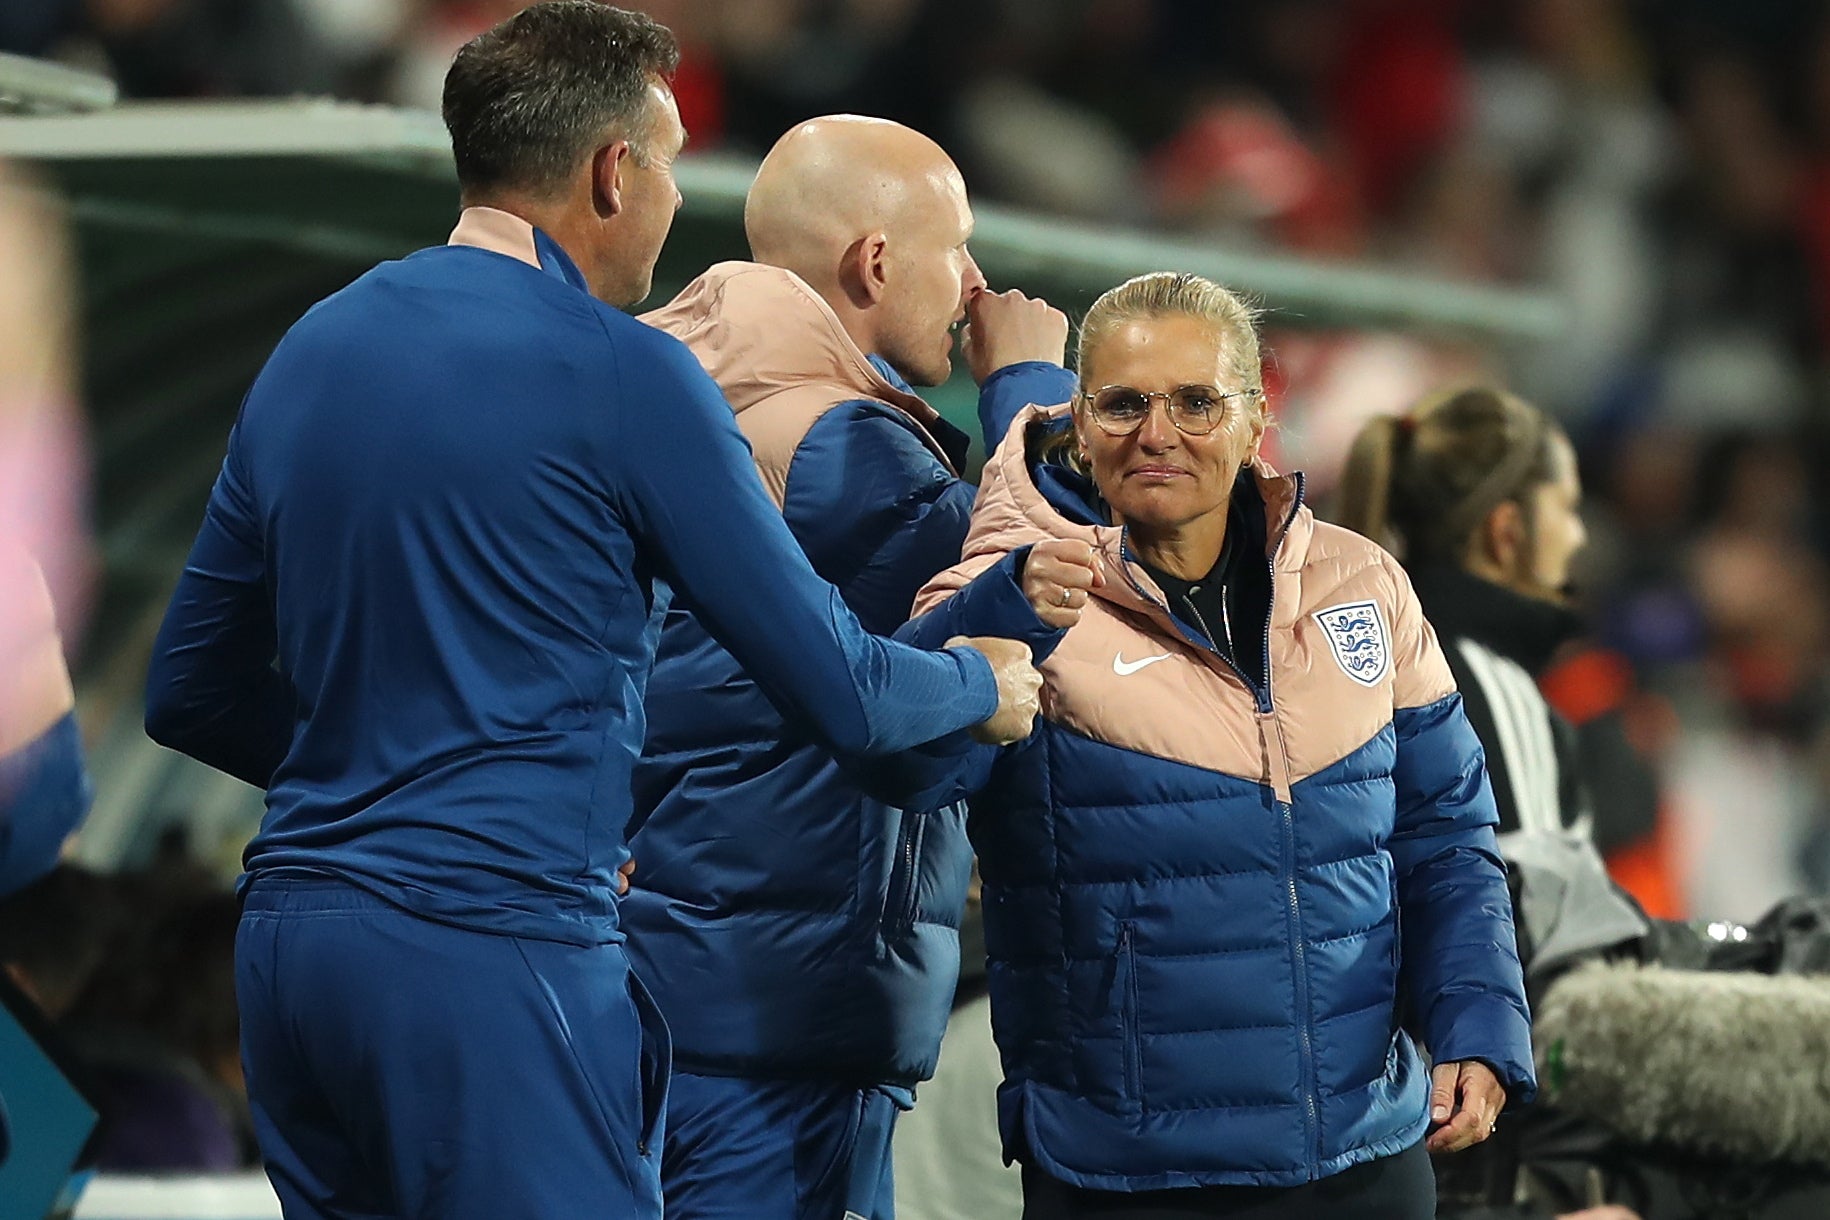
[1357, 636]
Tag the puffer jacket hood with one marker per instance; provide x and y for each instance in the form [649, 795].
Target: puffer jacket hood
[767, 338]
[1013, 512]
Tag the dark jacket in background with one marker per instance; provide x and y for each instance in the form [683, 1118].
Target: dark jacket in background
[1499, 644]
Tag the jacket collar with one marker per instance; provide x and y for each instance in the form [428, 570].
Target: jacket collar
[760, 330]
[505, 233]
[1522, 629]
[1019, 505]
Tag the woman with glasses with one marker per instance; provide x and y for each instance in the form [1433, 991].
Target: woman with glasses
[1248, 857]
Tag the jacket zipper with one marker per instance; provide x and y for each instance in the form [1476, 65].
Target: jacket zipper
[904, 893]
[1261, 699]
[911, 858]
[1132, 1045]
[1280, 759]
[1305, 1009]
[1279, 756]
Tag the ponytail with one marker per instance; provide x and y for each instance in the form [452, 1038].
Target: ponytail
[1421, 484]
[1363, 499]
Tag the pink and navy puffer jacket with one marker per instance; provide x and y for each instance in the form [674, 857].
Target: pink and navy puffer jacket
[1219, 913]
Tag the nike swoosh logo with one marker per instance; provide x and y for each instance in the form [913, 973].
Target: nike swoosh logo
[1124, 668]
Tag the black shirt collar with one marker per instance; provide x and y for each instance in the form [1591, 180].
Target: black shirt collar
[1522, 629]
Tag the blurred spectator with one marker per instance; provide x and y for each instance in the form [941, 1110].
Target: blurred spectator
[176, 48]
[157, 1028]
[40, 444]
[43, 785]
[426, 34]
[1239, 170]
[54, 935]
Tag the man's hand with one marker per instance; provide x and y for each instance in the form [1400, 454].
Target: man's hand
[1006, 328]
[1059, 578]
[623, 874]
[1019, 685]
[1465, 1099]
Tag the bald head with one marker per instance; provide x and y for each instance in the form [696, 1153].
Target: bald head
[833, 180]
[873, 215]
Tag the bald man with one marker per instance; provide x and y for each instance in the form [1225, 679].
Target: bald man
[796, 912]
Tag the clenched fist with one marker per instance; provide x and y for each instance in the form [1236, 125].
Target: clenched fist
[1019, 687]
[1006, 328]
[1059, 578]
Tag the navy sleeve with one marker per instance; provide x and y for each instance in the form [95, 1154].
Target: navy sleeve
[689, 490]
[1016, 386]
[1461, 963]
[876, 512]
[992, 603]
[44, 792]
[212, 691]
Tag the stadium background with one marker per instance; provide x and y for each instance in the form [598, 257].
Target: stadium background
[1621, 209]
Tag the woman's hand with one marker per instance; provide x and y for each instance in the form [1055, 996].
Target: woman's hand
[1059, 578]
[1465, 1099]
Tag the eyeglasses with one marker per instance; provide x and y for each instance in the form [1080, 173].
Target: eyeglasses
[1195, 410]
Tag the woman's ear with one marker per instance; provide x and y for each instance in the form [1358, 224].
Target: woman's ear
[1501, 538]
[1256, 422]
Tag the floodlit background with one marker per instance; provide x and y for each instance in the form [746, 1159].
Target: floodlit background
[1621, 210]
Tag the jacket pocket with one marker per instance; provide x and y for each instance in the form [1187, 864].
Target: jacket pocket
[1131, 1047]
[1391, 884]
[904, 893]
[655, 1067]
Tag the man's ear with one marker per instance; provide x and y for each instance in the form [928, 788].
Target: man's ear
[607, 167]
[863, 272]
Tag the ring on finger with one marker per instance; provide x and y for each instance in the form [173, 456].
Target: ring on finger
[1067, 598]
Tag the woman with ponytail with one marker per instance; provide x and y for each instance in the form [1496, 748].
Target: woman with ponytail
[1477, 492]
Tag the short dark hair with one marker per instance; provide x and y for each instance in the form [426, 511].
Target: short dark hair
[526, 100]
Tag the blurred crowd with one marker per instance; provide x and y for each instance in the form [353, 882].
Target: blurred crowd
[136, 973]
[1662, 167]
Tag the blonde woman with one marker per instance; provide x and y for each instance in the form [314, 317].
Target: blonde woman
[1249, 853]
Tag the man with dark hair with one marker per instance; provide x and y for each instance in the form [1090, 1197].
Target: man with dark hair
[421, 612]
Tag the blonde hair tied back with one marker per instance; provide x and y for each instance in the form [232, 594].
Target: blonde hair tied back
[1421, 483]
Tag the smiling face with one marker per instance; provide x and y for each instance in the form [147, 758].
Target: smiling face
[1166, 485]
